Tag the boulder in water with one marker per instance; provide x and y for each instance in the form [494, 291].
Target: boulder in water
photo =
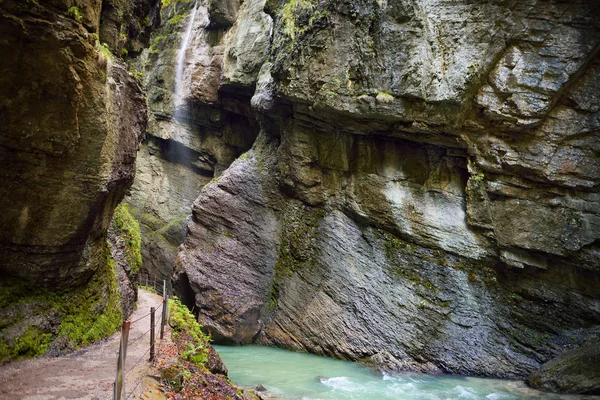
[574, 371]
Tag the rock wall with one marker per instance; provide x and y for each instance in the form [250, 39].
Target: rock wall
[423, 194]
[192, 135]
[71, 118]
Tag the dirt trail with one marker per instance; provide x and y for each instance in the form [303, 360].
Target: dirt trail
[88, 373]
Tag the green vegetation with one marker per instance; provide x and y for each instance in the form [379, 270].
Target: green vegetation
[77, 317]
[295, 11]
[104, 50]
[82, 324]
[167, 3]
[34, 342]
[137, 74]
[479, 177]
[75, 14]
[128, 229]
[157, 42]
[184, 324]
[177, 18]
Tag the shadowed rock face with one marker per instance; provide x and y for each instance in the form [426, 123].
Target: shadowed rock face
[71, 121]
[574, 371]
[424, 191]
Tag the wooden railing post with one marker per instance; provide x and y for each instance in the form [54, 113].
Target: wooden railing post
[119, 380]
[152, 328]
[154, 286]
[165, 310]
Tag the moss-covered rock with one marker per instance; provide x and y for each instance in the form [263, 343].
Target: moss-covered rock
[35, 320]
[127, 228]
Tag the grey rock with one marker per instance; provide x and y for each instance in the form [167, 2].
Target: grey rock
[574, 371]
[223, 12]
[247, 44]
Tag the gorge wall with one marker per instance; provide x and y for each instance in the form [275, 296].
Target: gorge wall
[196, 128]
[423, 193]
[72, 115]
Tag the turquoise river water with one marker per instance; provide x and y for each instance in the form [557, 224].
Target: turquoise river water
[290, 375]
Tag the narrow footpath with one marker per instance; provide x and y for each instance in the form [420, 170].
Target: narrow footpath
[88, 373]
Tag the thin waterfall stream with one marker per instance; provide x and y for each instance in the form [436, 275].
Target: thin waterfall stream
[179, 109]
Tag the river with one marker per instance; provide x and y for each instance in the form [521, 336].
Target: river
[290, 375]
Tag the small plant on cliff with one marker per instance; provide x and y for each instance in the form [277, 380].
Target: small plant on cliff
[75, 14]
[182, 321]
[104, 50]
[298, 16]
[128, 229]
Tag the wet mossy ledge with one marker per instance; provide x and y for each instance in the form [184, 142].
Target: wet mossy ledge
[128, 229]
[35, 320]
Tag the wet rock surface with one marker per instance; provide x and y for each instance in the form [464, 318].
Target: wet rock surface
[195, 129]
[423, 194]
[574, 371]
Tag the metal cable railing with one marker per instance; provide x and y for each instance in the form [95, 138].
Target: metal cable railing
[121, 376]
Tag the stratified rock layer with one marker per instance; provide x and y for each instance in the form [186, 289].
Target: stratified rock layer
[424, 191]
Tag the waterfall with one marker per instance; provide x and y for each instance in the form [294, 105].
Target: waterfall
[178, 112]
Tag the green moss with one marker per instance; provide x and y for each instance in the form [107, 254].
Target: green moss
[167, 3]
[93, 313]
[86, 314]
[104, 50]
[183, 322]
[384, 97]
[393, 247]
[75, 14]
[299, 16]
[137, 75]
[32, 344]
[128, 229]
[157, 42]
[296, 252]
[177, 18]
[478, 177]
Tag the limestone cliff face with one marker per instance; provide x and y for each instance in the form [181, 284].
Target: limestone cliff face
[196, 127]
[423, 194]
[71, 120]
